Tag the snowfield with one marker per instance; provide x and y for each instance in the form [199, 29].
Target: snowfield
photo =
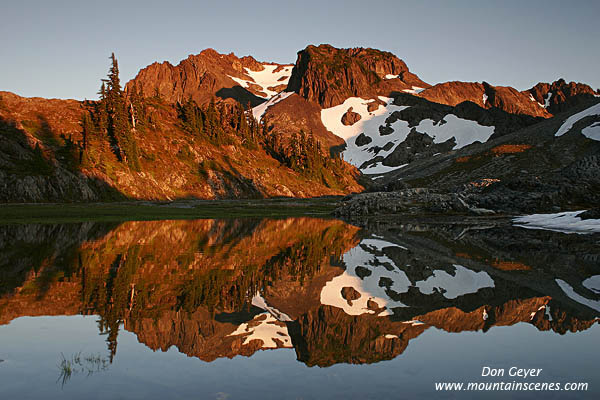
[566, 222]
[266, 78]
[261, 109]
[464, 131]
[367, 260]
[414, 90]
[547, 100]
[591, 132]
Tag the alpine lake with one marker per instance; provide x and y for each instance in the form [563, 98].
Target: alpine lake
[285, 302]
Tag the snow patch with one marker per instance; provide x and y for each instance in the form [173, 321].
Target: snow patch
[261, 109]
[547, 100]
[464, 131]
[368, 124]
[565, 222]
[414, 90]
[591, 132]
[484, 98]
[266, 78]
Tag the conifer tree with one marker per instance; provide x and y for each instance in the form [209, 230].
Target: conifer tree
[118, 127]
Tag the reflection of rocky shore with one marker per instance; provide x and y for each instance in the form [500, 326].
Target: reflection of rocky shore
[224, 288]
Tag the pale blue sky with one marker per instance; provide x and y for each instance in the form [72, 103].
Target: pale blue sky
[61, 48]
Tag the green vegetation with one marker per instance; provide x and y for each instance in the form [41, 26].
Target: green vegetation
[223, 123]
[110, 124]
[146, 211]
[78, 364]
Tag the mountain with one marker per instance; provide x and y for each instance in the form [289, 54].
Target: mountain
[560, 96]
[389, 118]
[485, 95]
[329, 76]
[43, 158]
[186, 137]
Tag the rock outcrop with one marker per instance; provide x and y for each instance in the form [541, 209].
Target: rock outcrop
[201, 77]
[486, 96]
[560, 96]
[328, 76]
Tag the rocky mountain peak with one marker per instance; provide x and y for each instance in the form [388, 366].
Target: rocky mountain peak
[328, 75]
[207, 75]
[559, 95]
[486, 96]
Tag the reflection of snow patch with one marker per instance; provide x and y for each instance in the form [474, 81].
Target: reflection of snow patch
[593, 304]
[566, 222]
[266, 331]
[592, 283]
[547, 312]
[368, 287]
[414, 322]
[536, 311]
[464, 281]
[259, 301]
[375, 277]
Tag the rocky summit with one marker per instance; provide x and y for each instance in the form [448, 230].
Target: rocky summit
[336, 122]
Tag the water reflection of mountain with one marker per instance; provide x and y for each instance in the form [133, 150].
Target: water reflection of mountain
[221, 288]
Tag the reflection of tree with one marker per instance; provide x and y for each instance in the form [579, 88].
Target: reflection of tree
[220, 290]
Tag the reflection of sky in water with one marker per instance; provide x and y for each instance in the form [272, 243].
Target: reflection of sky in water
[31, 348]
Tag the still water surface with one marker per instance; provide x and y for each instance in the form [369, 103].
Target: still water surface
[292, 308]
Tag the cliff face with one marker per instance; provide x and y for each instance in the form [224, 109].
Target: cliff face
[202, 77]
[559, 96]
[328, 76]
[485, 95]
[296, 113]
